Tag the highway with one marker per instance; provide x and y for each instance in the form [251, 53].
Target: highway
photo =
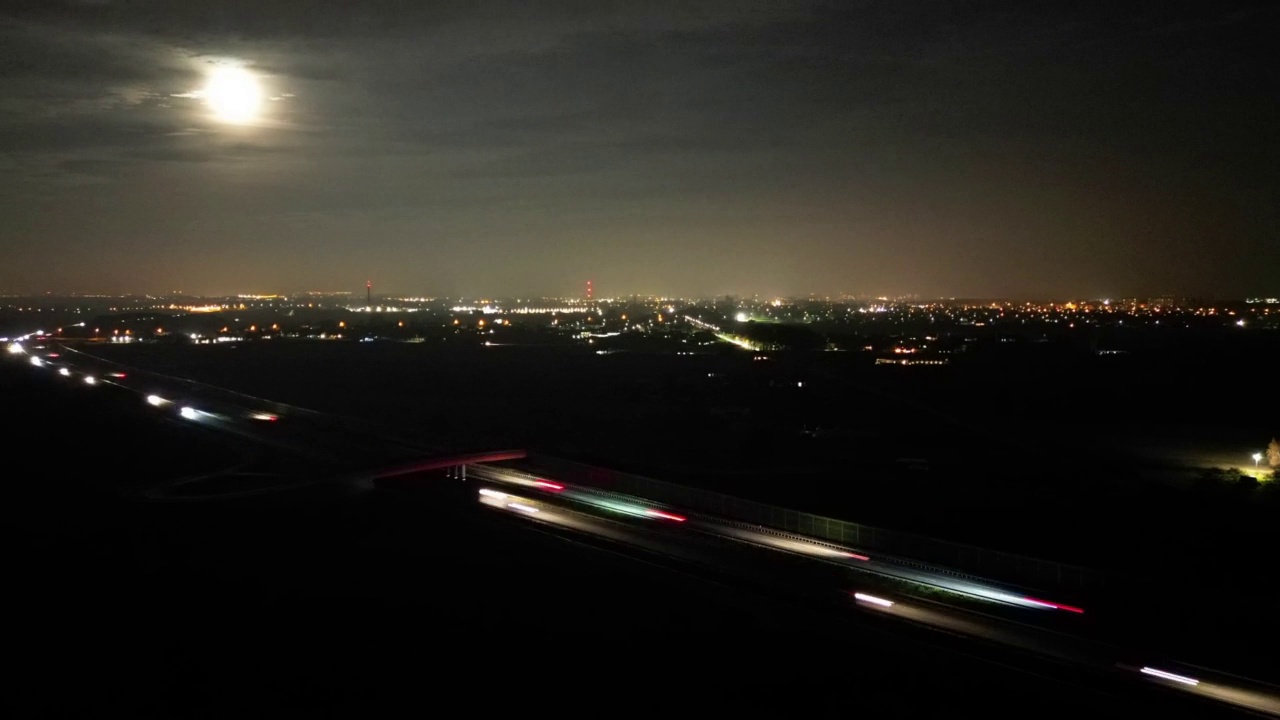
[302, 448]
[937, 599]
[1017, 603]
[336, 442]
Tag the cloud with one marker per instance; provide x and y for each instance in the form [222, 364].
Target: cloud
[820, 120]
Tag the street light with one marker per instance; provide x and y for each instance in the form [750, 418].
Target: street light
[1257, 457]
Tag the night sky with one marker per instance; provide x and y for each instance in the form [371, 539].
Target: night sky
[974, 149]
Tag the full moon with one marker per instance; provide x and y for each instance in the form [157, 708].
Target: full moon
[233, 94]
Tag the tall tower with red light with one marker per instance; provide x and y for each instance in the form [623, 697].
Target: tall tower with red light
[590, 292]
[368, 293]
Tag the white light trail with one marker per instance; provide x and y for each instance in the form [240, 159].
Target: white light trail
[1170, 676]
[863, 597]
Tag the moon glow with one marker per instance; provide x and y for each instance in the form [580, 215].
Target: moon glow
[233, 94]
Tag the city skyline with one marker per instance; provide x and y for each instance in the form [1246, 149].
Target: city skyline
[730, 148]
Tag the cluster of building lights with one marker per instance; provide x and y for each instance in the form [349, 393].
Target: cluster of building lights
[1157, 311]
[524, 309]
[911, 361]
[198, 308]
[383, 309]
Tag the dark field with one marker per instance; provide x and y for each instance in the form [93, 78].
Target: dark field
[1026, 443]
[337, 603]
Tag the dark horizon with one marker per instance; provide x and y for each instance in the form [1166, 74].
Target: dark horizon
[1001, 151]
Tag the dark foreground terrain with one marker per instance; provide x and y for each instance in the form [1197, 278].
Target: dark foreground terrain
[331, 602]
[1017, 448]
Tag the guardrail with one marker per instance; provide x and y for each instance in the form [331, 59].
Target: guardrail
[995, 564]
